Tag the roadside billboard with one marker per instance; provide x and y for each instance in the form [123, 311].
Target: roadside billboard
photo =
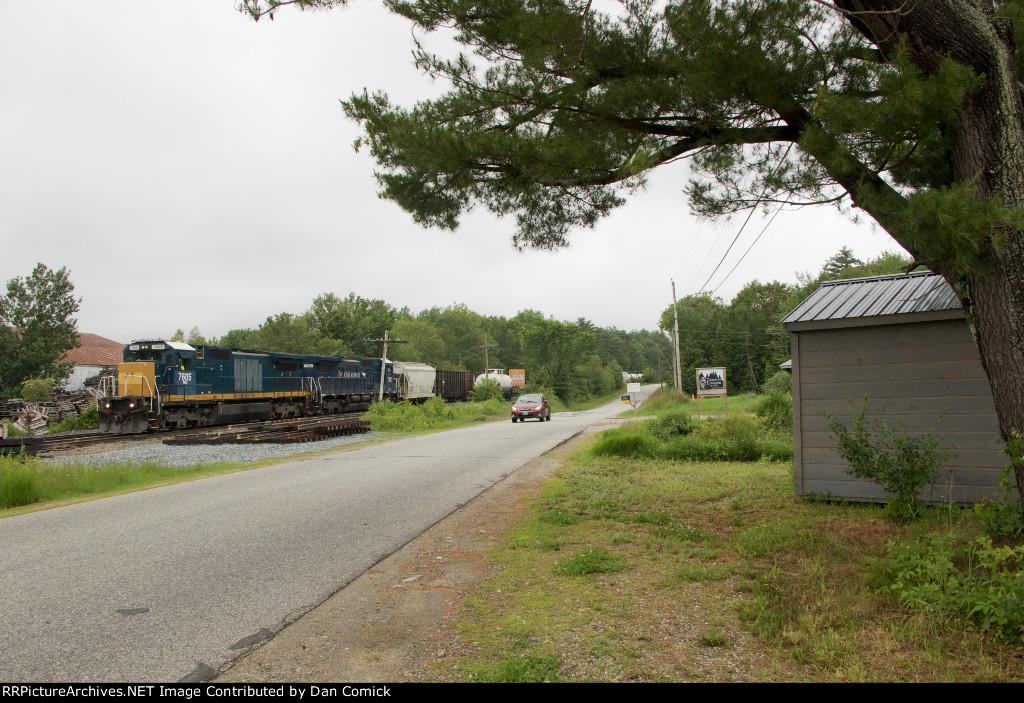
[711, 381]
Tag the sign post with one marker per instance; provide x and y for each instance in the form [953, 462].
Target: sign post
[711, 383]
[632, 395]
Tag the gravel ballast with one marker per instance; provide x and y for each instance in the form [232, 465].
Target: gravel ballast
[189, 455]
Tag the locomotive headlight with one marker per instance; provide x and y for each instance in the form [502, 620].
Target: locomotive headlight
[131, 405]
[106, 406]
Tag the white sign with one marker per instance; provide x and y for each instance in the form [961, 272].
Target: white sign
[632, 387]
[711, 381]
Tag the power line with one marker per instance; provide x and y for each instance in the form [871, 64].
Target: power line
[763, 230]
[744, 225]
[700, 227]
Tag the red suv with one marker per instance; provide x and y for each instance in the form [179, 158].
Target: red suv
[531, 405]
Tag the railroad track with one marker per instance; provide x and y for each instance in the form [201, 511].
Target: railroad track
[309, 429]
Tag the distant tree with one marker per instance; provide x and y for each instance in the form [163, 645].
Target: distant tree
[353, 319]
[839, 262]
[462, 331]
[37, 327]
[558, 348]
[194, 336]
[284, 332]
[424, 343]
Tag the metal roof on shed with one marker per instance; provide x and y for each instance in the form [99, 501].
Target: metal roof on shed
[918, 292]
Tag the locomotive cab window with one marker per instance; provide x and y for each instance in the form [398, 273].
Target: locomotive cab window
[286, 366]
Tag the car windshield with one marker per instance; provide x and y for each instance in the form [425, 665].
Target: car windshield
[529, 399]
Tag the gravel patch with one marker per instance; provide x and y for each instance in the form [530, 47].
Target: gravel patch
[189, 455]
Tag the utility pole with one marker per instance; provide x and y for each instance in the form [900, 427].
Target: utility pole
[384, 358]
[487, 357]
[677, 368]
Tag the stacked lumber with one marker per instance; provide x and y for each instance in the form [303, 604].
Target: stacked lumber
[33, 417]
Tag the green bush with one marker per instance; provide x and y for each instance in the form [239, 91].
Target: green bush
[486, 389]
[632, 445]
[435, 410]
[781, 382]
[731, 427]
[38, 390]
[668, 427]
[389, 416]
[775, 409]
[903, 465]
[1002, 517]
[88, 420]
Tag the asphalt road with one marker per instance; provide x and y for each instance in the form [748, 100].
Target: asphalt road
[172, 583]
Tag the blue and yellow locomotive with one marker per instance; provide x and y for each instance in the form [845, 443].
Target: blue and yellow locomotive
[163, 384]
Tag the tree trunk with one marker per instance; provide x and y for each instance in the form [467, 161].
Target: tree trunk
[987, 150]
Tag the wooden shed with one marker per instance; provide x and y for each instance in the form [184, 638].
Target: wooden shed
[903, 341]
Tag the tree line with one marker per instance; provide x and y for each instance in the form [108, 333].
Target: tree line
[746, 335]
[573, 359]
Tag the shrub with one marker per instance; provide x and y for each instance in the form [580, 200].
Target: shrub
[37, 390]
[668, 427]
[88, 420]
[486, 389]
[903, 465]
[781, 382]
[775, 410]
[435, 410]
[1002, 517]
[731, 427]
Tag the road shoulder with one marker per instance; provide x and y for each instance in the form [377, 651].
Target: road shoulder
[397, 617]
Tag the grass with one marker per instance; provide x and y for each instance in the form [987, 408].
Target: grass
[433, 415]
[666, 401]
[659, 570]
[28, 481]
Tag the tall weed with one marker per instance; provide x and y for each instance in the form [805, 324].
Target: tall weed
[735, 437]
[946, 578]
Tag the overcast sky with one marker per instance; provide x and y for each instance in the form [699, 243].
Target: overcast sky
[193, 168]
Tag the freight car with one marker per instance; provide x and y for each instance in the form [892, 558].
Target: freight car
[453, 385]
[165, 384]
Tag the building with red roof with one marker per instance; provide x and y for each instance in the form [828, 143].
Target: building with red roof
[92, 355]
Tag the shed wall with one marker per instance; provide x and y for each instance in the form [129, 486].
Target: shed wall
[914, 372]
